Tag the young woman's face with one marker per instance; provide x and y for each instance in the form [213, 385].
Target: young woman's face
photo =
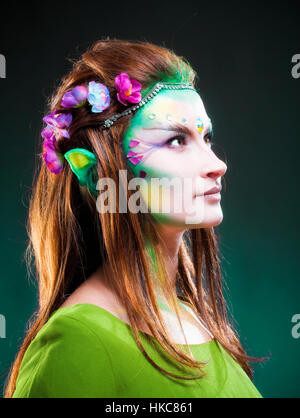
[169, 138]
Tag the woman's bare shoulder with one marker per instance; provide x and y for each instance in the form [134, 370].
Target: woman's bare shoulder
[94, 291]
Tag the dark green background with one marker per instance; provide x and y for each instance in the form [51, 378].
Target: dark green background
[242, 53]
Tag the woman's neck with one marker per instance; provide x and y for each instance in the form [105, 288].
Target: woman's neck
[171, 239]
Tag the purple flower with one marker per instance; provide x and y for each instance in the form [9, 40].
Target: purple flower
[128, 90]
[53, 159]
[56, 126]
[75, 98]
[98, 97]
[48, 132]
[58, 122]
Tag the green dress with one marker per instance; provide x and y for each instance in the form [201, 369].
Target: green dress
[85, 351]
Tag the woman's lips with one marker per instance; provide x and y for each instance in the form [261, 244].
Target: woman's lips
[213, 196]
[215, 189]
[210, 196]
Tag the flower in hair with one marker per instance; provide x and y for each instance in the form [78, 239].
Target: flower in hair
[53, 159]
[129, 91]
[57, 123]
[98, 97]
[75, 98]
[56, 126]
[48, 132]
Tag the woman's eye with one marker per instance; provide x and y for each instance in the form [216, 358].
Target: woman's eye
[176, 141]
[208, 138]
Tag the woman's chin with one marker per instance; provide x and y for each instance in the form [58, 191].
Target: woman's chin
[204, 222]
[188, 221]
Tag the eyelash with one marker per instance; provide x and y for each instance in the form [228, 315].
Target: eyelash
[208, 135]
[175, 137]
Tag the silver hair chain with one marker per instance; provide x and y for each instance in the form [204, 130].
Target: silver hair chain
[152, 93]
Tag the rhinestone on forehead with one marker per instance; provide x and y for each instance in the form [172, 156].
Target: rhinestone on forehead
[152, 93]
[199, 125]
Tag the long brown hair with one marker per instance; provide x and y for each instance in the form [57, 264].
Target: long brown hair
[69, 239]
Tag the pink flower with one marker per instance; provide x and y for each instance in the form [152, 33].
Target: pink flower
[48, 132]
[127, 90]
[56, 126]
[53, 159]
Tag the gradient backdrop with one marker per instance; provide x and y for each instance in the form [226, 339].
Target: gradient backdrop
[242, 53]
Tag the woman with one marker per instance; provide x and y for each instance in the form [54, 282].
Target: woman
[121, 228]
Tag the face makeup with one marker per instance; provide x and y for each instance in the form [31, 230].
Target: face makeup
[169, 138]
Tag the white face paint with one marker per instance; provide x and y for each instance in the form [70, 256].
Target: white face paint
[169, 137]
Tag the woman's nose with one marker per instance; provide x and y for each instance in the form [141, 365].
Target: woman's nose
[212, 166]
[216, 169]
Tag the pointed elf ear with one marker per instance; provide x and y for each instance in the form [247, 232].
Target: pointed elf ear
[81, 162]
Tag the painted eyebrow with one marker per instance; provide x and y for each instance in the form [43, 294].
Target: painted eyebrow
[178, 127]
